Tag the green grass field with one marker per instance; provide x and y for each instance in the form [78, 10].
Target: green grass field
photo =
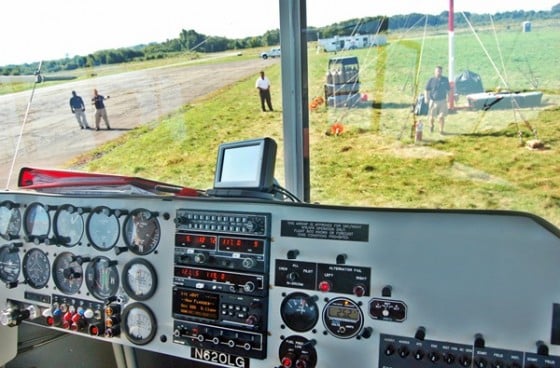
[481, 163]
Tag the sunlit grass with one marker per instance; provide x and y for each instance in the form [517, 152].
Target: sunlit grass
[481, 163]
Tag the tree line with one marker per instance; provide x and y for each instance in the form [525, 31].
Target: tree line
[190, 41]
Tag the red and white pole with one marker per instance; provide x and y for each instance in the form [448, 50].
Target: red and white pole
[451, 74]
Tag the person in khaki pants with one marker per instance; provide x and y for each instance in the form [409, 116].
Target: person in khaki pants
[100, 112]
[437, 90]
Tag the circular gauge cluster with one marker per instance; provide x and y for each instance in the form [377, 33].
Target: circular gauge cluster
[10, 220]
[36, 268]
[68, 225]
[103, 228]
[68, 273]
[36, 222]
[139, 279]
[142, 231]
[140, 323]
[299, 312]
[343, 318]
[102, 277]
[9, 263]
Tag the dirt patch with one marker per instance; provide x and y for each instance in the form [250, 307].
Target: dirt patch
[51, 137]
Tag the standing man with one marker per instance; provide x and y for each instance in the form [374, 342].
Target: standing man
[78, 109]
[263, 85]
[437, 90]
[100, 111]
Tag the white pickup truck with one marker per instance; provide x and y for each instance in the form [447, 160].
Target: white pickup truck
[273, 52]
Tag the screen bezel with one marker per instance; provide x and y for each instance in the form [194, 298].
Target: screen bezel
[266, 159]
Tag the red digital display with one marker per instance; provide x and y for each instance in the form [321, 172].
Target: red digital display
[231, 244]
[195, 241]
[201, 274]
[217, 276]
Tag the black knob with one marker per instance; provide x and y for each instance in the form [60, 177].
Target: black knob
[480, 363]
[433, 356]
[498, 364]
[200, 258]
[367, 332]
[542, 348]
[418, 354]
[420, 333]
[119, 250]
[293, 253]
[465, 361]
[479, 341]
[403, 351]
[341, 258]
[293, 276]
[449, 358]
[389, 350]
[387, 291]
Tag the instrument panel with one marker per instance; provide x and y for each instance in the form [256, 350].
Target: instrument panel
[255, 283]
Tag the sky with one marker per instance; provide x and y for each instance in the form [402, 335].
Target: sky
[34, 30]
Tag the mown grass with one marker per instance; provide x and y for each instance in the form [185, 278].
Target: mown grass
[481, 163]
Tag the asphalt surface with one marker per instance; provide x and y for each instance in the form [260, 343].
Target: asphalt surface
[51, 135]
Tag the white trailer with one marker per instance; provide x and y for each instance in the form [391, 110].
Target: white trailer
[339, 43]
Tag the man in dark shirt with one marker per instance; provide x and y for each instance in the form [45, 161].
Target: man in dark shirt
[78, 109]
[100, 111]
[437, 90]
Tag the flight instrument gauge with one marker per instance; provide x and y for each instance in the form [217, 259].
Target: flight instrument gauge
[68, 225]
[9, 263]
[67, 273]
[103, 228]
[141, 231]
[343, 318]
[36, 268]
[102, 277]
[299, 311]
[37, 222]
[10, 220]
[139, 323]
[139, 279]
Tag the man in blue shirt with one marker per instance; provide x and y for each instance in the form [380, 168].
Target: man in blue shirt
[78, 109]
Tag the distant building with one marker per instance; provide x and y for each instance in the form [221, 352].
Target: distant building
[339, 43]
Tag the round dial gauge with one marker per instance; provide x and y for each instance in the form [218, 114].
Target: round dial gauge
[299, 311]
[343, 318]
[102, 277]
[37, 222]
[10, 220]
[9, 263]
[103, 228]
[68, 225]
[67, 273]
[139, 279]
[139, 323]
[141, 231]
[36, 268]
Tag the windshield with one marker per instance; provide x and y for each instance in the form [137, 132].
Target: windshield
[407, 107]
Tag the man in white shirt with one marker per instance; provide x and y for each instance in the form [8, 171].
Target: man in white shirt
[263, 85]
